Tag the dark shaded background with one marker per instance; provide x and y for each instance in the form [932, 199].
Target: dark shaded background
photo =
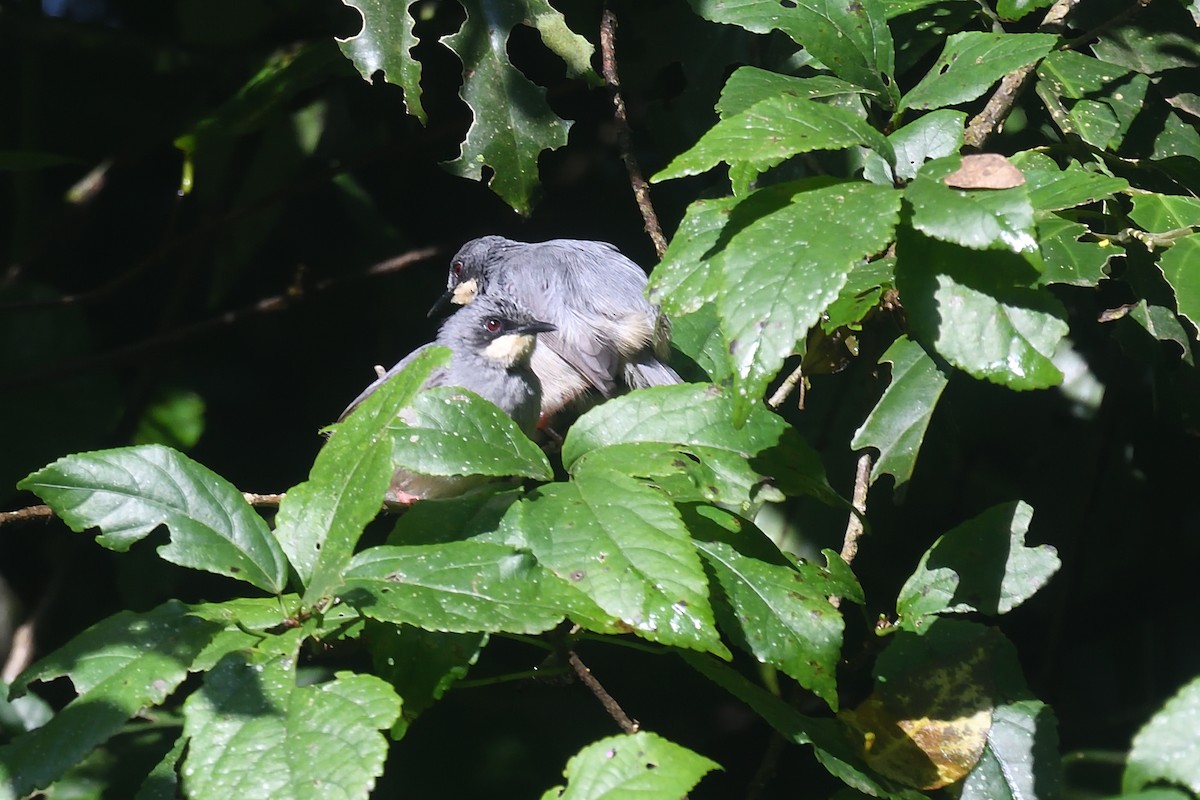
[114, 296]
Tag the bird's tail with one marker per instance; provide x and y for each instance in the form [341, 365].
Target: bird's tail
[650, 371]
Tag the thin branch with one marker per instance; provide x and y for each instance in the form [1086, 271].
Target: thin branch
[641, 190]
[26, 514]
[854, 528]
[785, 388]
[1001, 103]
[266, 305]
[46, 512]
[1093, 34]
[258, 500]
[610, 705]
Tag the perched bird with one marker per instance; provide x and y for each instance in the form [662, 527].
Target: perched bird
[491, 345]
[608, 337]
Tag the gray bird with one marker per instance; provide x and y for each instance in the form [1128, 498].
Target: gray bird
[491, 345]
[608, 337]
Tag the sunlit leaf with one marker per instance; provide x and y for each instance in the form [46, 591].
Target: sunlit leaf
[1181, 266]
[1166, 748]
[320, 520]
[130, 491]
[850, 38]
[971, 62]
[980, 218]
[639, 764]
[623, 545]
[982, 565]
[771, 131]
[513, 123]
[254, 734]
[933, 135]
[118, 667]
[973, 308]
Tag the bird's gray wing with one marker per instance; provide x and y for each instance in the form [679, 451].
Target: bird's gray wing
[588, 356]
[434, 379]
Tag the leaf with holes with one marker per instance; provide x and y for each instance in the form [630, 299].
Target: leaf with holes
[971, 62]
[512, 122]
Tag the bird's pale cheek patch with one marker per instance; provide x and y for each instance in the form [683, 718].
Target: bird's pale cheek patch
[465, 292]
[510, 349]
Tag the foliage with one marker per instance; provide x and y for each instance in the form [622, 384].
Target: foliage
[830, 219]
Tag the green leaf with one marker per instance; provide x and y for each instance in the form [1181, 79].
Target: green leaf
[896, 426]
[773, 130]
[130, 491]
[1068, 260]
[636, 765]
[688, 276]
[699, 417]
[456, 587]
[385, 44]
[1166, 748]
[1016, 9]
[971, 308]
[450, 431]
[1054, 189]
[862, 292]
[1020, 759]
[624, 546]
[1161, 323]
[118, 667]
[513, 123]
[971, 62]
[982, 565]
[749, 85]
[933, 135]
[777, 611]
[175, 418]
[850, 38]
[575, 50]
[475, 516]
[320, 520]
[163, 781]
[420, 665]
[952, 704]
[255, 735]
[787, 265]
[829, 736]
[1159, 213]
[1181, 267]
[1090, 98]
[698, 335]
[978, 218]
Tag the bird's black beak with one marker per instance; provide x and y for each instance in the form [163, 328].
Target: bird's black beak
[537, 326]
[441, 303]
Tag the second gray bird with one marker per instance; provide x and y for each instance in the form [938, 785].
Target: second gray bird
[491, 345]
[608, 337]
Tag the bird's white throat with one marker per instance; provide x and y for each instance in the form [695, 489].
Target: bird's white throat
[510, 349]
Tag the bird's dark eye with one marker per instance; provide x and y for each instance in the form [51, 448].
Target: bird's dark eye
[493, 325]
[456, 269]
